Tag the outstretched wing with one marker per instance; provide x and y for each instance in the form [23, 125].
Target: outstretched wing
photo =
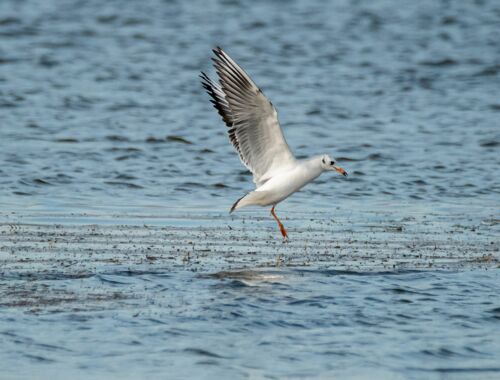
[254, 129]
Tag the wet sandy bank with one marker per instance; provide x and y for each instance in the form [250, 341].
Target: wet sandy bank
[35, 250]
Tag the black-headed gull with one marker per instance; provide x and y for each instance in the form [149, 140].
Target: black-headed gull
[256, 134]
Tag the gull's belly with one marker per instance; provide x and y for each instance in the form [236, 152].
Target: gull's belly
[281, 186]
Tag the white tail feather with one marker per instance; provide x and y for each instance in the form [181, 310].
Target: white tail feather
[252, 198]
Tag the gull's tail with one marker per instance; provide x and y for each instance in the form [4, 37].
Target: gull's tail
[252, 198]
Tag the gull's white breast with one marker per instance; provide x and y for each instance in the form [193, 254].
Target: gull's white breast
[286, 182]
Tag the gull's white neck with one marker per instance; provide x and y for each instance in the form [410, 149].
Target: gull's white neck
[307, 170]
[286, 182]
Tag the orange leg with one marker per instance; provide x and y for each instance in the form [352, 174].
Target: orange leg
[282, 227]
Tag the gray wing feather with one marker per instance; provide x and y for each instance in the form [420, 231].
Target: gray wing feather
[254, 129]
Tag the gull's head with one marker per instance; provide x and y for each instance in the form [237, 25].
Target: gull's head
[330, 164]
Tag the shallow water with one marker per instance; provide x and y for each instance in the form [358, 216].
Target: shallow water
[367, 295]
[118, 256]
[284, 323]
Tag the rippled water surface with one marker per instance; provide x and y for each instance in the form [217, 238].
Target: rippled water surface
[118, 257]
[296, 323]
[101, 102]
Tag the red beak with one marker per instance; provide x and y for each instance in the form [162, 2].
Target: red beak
[340, 170]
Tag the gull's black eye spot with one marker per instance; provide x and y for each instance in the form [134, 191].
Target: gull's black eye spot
[332, 162]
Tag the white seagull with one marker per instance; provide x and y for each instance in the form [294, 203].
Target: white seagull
[255, 132]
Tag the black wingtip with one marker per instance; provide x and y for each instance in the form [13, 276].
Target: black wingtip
[236, 204]
[219, 53]
[204, 78]
[205, 81]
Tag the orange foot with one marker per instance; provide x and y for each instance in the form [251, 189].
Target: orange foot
[283, 231]
[282, 227]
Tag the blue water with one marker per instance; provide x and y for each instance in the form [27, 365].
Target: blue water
[93, 99]
[103, 121]
[294, 323]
